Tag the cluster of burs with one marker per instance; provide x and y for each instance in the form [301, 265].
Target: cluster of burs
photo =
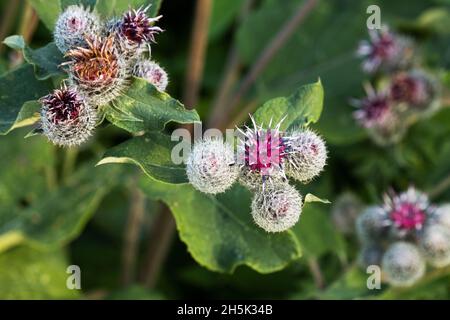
[101, 59]
[263, 161]
[403, 92]
[404, 234]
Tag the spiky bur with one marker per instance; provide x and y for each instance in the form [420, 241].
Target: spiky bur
[376, 112]
[211, 166]
[385, 51]
[261, 153]
[152, 72]
[66, 119]
[435, 245]
[73, 25]
[135, 32]
[370, 254]
[402, 264]
[407, 212]
[371, 225]
[306, 155]
[415, 88]
[345, 211]
[98, 70]
[441, 215]
[276, 208]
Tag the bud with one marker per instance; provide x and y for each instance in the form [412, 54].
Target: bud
[370, 254]
[211, 166]
[385, 51]
[415, 88]
[442, 215]
[98, 71]
[402, 264]
[135, 31]
[435, 245]
[66, 119]
[153, 73]
[277, 208]
[306, 155]
[73, 25]
[371, 225]
[345, 211]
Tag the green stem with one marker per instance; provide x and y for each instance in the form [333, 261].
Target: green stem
[70, 158]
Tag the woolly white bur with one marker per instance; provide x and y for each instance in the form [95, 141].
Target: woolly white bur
[306, 155]
[73, 25]
[403, 264]
[435, 245]
[442, 215]
[370, 254]
[276, 209]
[66, 120]
[371, 224]
[211, 166]
[153, 73]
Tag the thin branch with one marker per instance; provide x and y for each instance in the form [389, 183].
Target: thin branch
[199, 40]
[131, 236]
[314, 267]
[230, 75]
[162, 232]
[269, 52]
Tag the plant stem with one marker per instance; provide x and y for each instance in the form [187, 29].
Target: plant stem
[269, 52]
[131, 235]
[199, 41]
[440, 187]
[163, 228]
[314, 267]
[162, 232]
[229, 77]
[70, 158]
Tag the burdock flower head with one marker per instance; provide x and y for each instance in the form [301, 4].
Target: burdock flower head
[407, 212]
[385, 50]
[261, 153]
[415, 88]
[375, 110]
[98, 70]
[73, 25]
[153, 73]
[136, 31]
[66, 119]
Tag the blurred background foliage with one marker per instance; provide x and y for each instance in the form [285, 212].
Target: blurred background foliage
[43, 228]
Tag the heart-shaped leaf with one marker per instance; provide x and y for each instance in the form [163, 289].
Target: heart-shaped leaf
[300, 109]
[219, 231]
[143, 108]
[152, 153]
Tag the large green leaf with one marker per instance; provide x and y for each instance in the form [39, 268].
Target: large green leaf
[16, 88]
[31, 210]
[152, 153]
[48, 11]
[301, 108]
[223, 14]
[32, 274]
[143, 108]
[46, 60]
[219, 231]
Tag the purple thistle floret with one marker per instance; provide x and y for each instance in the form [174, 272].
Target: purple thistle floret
[373, 110]
[137, 27]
